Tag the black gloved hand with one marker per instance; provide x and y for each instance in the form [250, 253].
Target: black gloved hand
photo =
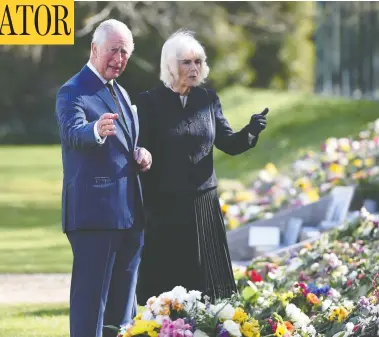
[258, 123]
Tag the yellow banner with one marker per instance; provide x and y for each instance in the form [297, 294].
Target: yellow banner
[36, 22]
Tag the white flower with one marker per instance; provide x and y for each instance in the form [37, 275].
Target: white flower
[333, 293]
[233, 328]
[234, 210]
[223, 311]
[260, 300]
[147, 315]
[157, 306]
[342, 269]
[297, 316]
[349, 327]
[199, 333]
[348, 304]
[325, 305]
[179, 293]
[353, 275]
[201, 305]
[310, 330]
[315, 266]
[194, 295]
[294, 264]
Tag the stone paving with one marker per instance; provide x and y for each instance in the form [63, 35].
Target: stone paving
[34, 288]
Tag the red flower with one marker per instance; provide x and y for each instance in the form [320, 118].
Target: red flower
[356, 327]
[272, 324]
[349, 283]
[304, 289]
[255, 276]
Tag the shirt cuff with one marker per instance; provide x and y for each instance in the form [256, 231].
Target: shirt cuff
[98, 138]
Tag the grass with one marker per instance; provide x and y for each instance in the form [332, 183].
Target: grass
[34, 320]
[296, 122]
[30, 189]
[30, 176]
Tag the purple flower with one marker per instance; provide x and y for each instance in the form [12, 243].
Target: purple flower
[224, 333]
[364, 302]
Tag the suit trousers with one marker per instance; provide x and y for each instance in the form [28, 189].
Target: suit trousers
[104, 278]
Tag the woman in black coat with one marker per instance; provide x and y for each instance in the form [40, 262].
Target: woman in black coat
[185, 242]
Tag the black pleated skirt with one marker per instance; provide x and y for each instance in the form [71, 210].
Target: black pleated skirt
[186, 246]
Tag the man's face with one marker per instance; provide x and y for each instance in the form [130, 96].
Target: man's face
[111, 57]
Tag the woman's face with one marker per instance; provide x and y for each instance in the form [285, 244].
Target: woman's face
[189, 70]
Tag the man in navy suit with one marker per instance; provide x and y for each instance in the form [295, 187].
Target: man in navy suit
[102, 200]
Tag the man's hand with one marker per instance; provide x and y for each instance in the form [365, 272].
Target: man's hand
[143, 159]
[105, 126]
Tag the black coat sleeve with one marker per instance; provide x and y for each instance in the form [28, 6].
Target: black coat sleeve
[227, 140]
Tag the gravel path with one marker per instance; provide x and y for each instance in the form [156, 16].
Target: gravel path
[34, 288]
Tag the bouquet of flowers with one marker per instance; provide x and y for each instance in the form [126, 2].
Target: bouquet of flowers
[181, 313]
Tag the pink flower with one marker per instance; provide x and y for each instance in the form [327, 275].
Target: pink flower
[176, 328]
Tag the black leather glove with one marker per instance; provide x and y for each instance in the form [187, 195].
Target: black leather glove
[257, 123]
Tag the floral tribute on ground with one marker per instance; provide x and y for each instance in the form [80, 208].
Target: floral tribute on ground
[326, 289]
[340, 161]
[329, 288]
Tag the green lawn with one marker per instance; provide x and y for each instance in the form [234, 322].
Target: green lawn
[296, 122]
[30, 177]
[30, 189]
[39, 320]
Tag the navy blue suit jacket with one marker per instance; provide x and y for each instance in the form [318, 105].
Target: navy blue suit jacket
[101, 186]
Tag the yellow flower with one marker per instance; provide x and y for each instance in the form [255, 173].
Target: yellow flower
[369, 162]
[271, 169]
[224, 208]
[281, 330]
[338, 314]
[240, 316]
[337, 169]
[233, 223]
[246, 196]
[251, 328]
[143, 327]
[312, 195]
[303, 183]
[345, 147]
[359, 175]
[286, 297]
[357, 163]
[342, 314]
[138, 317]
[334, 314]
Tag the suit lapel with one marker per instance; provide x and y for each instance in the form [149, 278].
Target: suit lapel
[96, 86]
[105, 95]
[133, 113]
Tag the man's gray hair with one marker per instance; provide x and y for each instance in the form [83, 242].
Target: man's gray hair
[174, 49]
[111, 26]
